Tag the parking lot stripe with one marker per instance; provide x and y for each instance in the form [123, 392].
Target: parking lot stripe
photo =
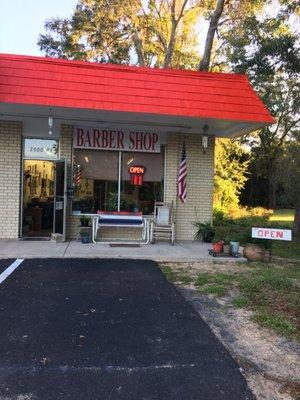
[10, 269]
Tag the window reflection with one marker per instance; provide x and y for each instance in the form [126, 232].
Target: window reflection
[142, 197]
[98, 189]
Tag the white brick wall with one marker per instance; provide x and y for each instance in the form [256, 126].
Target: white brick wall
[200, 167]
[10, 178]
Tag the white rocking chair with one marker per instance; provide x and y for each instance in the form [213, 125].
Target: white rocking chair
[163, 226]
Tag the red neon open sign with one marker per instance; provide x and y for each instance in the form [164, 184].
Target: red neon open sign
[136, 174]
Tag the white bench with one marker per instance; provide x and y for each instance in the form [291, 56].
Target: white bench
[120, 219]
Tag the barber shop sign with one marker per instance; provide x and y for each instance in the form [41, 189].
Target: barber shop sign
[116, 139]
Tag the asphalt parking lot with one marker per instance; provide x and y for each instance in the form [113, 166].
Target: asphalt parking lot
[106, 329]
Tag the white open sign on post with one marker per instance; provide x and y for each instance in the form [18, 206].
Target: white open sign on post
[273, 234]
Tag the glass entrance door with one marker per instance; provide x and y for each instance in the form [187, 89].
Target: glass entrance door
[44, 203]
[38, 198]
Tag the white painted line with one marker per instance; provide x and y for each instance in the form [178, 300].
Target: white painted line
[10, 269]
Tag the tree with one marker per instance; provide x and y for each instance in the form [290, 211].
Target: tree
[231, 165]
[153, 33]
[224, 15]
[266, 49]
[213, 25]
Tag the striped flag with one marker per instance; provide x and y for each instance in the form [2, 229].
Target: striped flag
[182, 174]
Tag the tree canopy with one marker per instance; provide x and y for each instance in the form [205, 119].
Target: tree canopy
[147, 33]
[256, 37]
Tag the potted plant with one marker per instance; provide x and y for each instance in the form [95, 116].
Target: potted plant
[204, 231]
[234, 246]
[226, 247]
[218, 246]
[85, 229]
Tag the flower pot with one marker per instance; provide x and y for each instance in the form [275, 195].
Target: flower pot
[208, 236]
[85, 234]
[217, 247]
[253, 252]
[234, 247]
[226, 248]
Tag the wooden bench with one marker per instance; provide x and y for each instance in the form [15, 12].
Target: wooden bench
[121, 219]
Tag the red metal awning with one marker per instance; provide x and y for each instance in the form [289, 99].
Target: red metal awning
[84, 85]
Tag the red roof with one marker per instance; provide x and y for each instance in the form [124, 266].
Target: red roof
[86, 85]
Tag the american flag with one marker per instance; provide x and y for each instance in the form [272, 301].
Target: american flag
[182, 174]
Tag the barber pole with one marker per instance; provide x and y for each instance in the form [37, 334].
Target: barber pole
[77, 175]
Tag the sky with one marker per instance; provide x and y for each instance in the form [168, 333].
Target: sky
[23, 20]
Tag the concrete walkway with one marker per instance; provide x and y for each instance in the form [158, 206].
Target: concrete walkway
[161, 251]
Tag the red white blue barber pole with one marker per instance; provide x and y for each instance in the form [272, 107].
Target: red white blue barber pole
[77, 175]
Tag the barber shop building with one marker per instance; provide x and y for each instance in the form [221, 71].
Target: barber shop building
[80, 138]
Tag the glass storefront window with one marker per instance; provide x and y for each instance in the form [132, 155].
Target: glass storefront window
[142, 197]
[98, 188]
[99, 182]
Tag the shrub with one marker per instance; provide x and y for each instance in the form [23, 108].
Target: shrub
[204, 231]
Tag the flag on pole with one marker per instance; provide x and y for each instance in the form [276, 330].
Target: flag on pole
[182, 174]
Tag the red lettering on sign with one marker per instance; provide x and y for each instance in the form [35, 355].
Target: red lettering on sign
[137, 170]
[131, 141]
[120, 137]
[138, 141]
[147, 141]
[88, 139]
[104, 138]
[279, 235]
[260, 233]
[96, 134]
[80, 133]
[155, 140]
[112, 144]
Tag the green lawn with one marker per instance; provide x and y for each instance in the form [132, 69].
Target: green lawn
[283, 216]
[271, 292]
[283, 249]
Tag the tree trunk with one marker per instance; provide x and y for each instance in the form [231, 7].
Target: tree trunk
[138, 48]
[296, 225]
[170, 50]
[272, 189]
[213, 24]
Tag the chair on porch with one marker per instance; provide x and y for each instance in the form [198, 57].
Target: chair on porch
[163, 226]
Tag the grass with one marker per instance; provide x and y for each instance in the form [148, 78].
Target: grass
[215, 289]
[283, 216]
[285, 219]
[240, 302]
[286, 249]
[174, 276]
[216, 284]
[271, 292]
[278, 323]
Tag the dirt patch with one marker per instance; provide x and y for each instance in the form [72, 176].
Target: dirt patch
[270, 363]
